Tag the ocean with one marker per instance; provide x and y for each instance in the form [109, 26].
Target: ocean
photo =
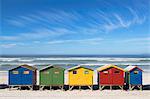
[10, 61]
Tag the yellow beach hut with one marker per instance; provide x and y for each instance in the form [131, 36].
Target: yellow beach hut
[80, 76]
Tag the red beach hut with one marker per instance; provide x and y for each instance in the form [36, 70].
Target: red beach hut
[110, 75]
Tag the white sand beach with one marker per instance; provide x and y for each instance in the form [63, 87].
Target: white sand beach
[75, 94]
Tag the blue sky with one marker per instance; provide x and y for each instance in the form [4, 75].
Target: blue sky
[74, 27]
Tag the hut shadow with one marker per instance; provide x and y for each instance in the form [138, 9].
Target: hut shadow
[66, 87]
[24, 88]
[35, 87]
[82, 88]
[52, 88]
[146, 87]
[95, 87]
[3, 86]
[113, 88]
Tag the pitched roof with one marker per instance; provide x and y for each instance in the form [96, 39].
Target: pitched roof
[130, 68]
[108, 66]
[26, 66]
[51, 66]
[79, 66]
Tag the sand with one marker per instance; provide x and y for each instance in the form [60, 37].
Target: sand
[75, 94]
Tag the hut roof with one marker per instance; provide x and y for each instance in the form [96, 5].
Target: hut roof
[91, 66]
[130, 68]
[26, 66]
[108, 66]
[79, 66]
[65, 66]
[51, 66]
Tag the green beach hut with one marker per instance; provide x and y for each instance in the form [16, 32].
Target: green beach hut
[52, 76]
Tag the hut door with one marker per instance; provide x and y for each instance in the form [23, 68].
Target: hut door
[26, 76]
[15, 77]
[136, 77]
[45, 77]
[57, 77]
[105, 77]
[117, 77]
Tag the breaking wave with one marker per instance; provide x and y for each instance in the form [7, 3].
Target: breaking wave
[75, 60]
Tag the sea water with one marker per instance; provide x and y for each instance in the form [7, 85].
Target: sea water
[10, 61]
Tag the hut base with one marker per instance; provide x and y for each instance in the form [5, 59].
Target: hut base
[131, 87]
[50, 86]
[101, 87]
[80, 87]
[19, 86]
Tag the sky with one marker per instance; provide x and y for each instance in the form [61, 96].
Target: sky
[51, 27]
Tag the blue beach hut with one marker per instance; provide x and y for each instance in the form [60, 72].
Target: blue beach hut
[23, 75]
[133, 77]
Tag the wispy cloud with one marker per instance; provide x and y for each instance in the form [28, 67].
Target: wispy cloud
[89, 41]
[136, 18]
[82, 41]
[92, 41]
[37, 34]
[9, 38]
[14, 44]
[134, 40]
[7, 45]
[56, 23]
[16, 22]
[121, 22]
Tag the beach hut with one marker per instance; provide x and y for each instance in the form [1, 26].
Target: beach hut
[80, 76]
[23, 75]
[133, 77]
[52, 76]
[110, 75]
